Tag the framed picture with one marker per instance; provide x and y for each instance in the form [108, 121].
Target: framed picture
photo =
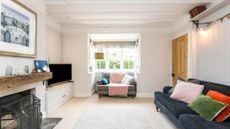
[18, 29]
[41, 66]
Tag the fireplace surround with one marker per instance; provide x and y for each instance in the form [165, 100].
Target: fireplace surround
[20, 111]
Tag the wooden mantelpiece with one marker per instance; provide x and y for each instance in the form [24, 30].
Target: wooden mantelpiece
[20, 80]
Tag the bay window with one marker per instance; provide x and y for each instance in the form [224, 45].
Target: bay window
[114, 56]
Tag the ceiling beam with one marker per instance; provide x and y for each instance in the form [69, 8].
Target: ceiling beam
[55, 2]
[114, 14]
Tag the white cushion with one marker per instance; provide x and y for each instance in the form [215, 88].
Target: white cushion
[127, 79]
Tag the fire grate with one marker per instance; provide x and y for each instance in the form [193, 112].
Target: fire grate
[21, 113]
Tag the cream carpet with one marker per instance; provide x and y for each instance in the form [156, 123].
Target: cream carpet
[113, 119]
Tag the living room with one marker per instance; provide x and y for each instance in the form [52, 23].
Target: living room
[96, 64]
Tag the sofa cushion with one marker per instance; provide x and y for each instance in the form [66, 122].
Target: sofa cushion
[190, 121]
[105, 87]
[186, 91]
[176, 107]
[127, 79]
[224, 99]
[104, 81]
[207, 107]
[105, 75]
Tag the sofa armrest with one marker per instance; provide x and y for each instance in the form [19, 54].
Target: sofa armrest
[166, 89]
[99, 83]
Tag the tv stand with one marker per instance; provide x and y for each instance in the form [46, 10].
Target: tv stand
[58, 94]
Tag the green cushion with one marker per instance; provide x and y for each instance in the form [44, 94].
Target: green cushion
[207, 107]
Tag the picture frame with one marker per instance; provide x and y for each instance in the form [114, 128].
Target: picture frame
[41, 66]
[18, 30]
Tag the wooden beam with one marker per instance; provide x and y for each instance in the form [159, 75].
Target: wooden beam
[53, 2]
[16, 81]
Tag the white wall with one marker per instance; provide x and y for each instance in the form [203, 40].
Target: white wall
[75, 52]
[155, 63]
[213, 50]
[19, 63]
[155, 58]
[53, 45]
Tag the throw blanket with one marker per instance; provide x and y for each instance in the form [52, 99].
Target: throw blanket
[118, 90]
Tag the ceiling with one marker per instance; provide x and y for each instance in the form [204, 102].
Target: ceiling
[160, 13]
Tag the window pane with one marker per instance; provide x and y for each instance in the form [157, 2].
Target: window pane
[116, 58]
[128, 64]
[114, 65]
[128, 54]
[100, 64]
[113, 54]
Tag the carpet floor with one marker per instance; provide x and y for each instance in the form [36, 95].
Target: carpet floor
[112, 119]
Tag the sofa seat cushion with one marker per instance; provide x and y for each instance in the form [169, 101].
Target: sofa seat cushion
[176, 107]
[106, 87]
[189, 121]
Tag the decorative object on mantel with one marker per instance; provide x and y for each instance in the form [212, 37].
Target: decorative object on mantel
[197, 10]
[9, 71]
[41, 66]
[17, 38]
[26, 69]
[16, 81]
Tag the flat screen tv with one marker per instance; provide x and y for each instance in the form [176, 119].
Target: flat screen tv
[61, 73]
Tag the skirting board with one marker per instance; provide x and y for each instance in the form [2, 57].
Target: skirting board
[83, 94]
[139, 95]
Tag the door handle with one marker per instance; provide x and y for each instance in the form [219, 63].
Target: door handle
[173, 75]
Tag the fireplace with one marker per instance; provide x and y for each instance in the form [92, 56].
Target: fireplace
[20, 111]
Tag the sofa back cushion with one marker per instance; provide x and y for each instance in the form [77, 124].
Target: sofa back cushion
[216, 87]
[116, 77]
[212, 86]
[127, 79]
[105, 75]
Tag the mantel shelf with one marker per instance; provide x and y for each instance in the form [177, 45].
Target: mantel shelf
[219, 4]
[20, 80]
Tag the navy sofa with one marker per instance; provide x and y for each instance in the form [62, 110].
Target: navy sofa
[184, 117]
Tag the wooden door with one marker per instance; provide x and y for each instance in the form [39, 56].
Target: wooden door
[180, 58]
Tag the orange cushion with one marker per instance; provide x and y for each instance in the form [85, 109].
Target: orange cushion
[224, 99]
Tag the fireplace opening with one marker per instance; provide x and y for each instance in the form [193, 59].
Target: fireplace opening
[20, 111]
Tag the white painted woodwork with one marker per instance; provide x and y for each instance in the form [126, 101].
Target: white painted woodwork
[157, 13]
[58, 95]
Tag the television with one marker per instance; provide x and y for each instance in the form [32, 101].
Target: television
[61, 73]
